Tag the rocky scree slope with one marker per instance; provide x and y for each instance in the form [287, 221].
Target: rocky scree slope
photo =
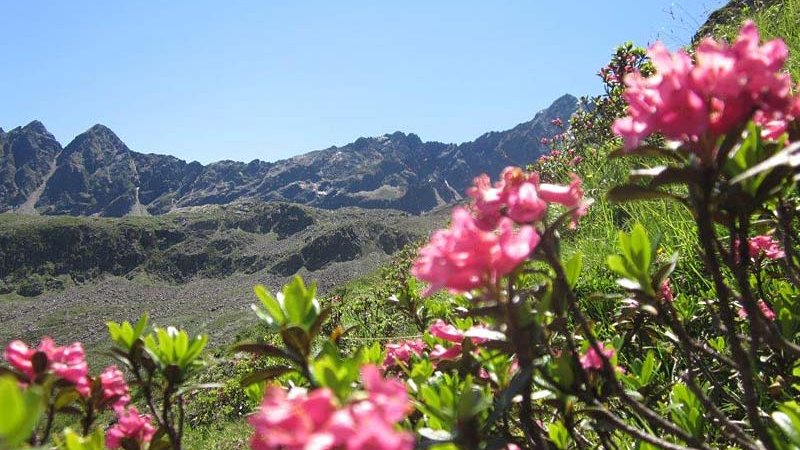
[97, 174]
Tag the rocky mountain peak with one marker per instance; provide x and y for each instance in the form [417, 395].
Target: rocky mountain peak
[98, 174]
[99, 137]
[37, 127]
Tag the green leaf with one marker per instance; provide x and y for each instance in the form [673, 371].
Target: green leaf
[265, 374]
[617, 265]
[572, 268]
[787, 418]
[298, 301]
[647, 368]
[558, 433]
[74, 441]
[20, 411]
[632, 192]
[271, 304]
[640, 248]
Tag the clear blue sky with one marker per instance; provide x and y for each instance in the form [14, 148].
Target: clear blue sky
[270, 79]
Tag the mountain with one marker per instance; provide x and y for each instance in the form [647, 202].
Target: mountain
[97, 174]
[27, 159]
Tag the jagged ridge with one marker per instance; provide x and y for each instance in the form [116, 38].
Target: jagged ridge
[97, 174]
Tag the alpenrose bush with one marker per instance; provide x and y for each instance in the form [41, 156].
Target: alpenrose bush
[516, 362]
[50, 380]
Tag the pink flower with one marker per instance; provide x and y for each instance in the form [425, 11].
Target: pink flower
[666, 292]
[570, 196]
[591, 360]
[766, 311]
[465, 257]
[766, 245]
[477, 333]
[112, 382]
[285, 422]
[130, 425]
[402, 351]
[440, 353]
[312, 420]
[557, 122]
[662, 102]
[68, 363]
[388, 396]
[357, 427]
[524, 204]
[488, 200]
[543, 141]
[20, 356]
[446, 331]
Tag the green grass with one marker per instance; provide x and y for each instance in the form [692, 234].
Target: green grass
[220, 436]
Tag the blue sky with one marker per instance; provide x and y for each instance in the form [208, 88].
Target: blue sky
[267, 79]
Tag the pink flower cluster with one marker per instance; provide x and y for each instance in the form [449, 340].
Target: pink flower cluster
[765, 245]
[115, 389]
[666, 292]
[690, 102]
[766, 311]
[401, 352]
[497, 236]
[478, 334]
[313, 420]
[67, 363]
[130, 426]
[591, 360]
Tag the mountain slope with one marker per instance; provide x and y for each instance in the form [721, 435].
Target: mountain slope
[97, 174]
[27, 156]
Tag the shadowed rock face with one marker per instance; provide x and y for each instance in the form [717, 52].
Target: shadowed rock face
[211, 241]
[97, 174]
[26, 157]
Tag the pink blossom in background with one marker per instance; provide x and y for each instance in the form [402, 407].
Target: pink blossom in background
[543, 141]
[112, 382]
[478, 334]
[402, 351]
[487, 201]
[441, 353]
[591, 360]
[766, 311]
[130, 425]
[765, 245]
[666, 292]
[446, 331]
[570, 196]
